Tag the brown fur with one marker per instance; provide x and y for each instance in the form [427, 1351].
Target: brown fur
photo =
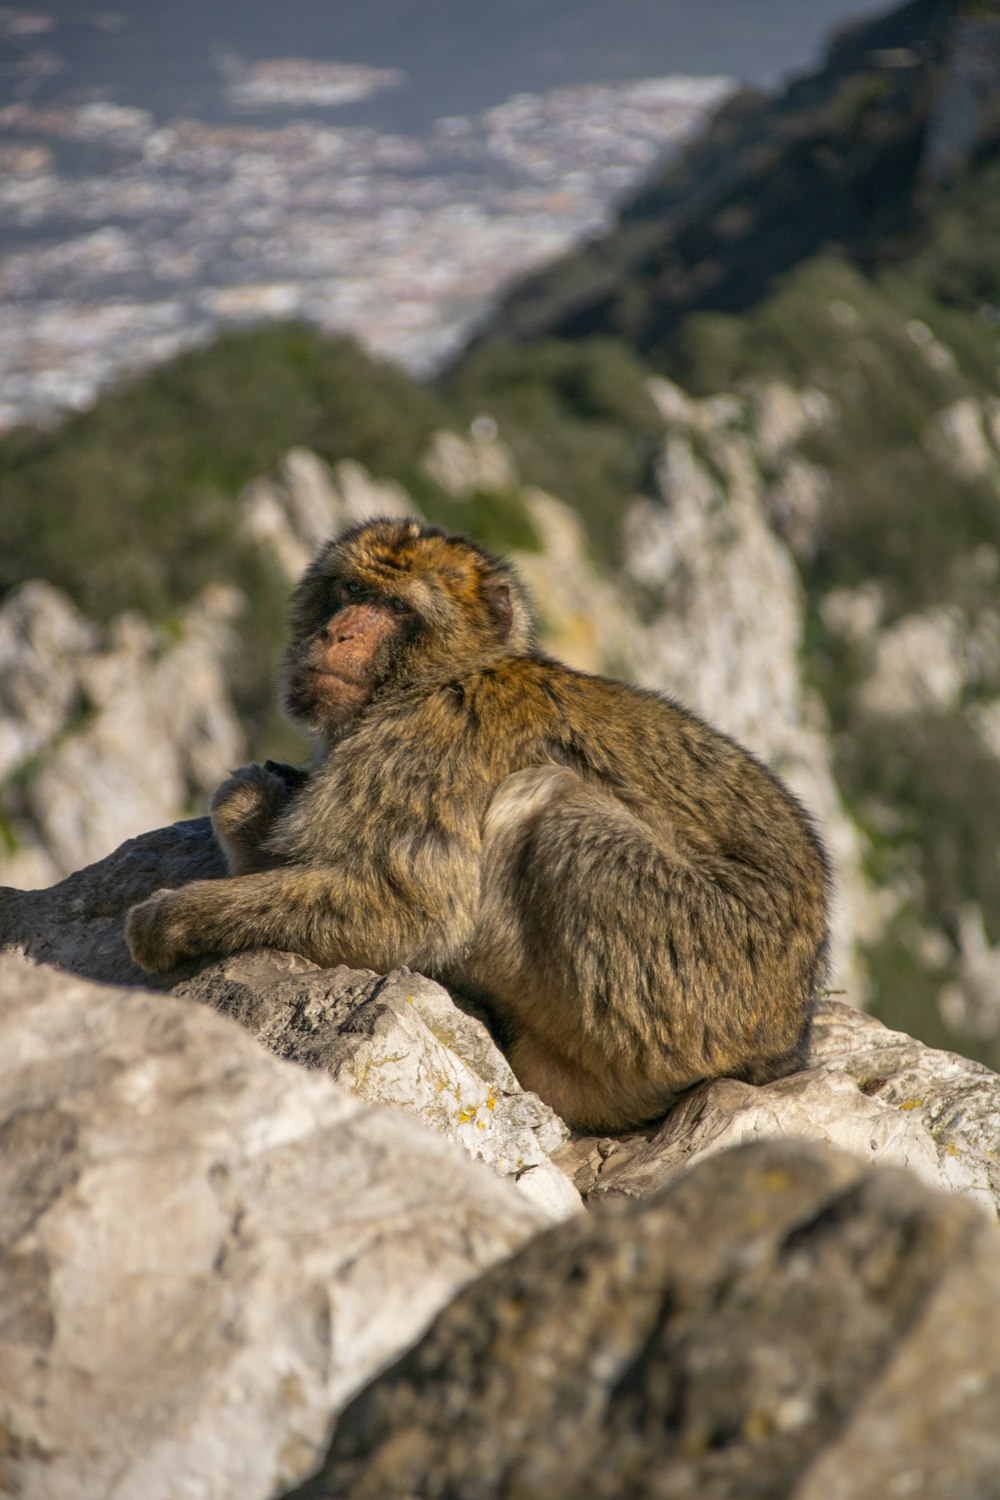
[635, 901]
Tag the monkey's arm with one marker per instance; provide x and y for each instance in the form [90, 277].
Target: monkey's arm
[324, 914]
[244, 809]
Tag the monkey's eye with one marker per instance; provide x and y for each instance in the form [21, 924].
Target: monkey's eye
[333, 598]
[398, 607]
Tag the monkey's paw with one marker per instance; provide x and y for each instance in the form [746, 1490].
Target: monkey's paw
[158, 933]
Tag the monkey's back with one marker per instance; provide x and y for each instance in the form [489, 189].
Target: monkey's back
[665, 893]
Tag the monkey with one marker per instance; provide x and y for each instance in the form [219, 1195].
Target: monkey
[632, 899]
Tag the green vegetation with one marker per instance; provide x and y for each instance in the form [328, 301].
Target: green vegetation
[577, 416]
[132, 504]
[496, 519]
[834, 162]
[958, 262]
[890, 358]
[942, 787]
[908, 987]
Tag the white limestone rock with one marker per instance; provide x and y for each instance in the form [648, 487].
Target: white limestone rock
[399, 1040]
[926, 662]
[583, 616]
[784, 416]
[879, 1094]
[43, 637]
[462, 465]
[304, 502]
[205, 1251]
[108, 731]
[958, 437]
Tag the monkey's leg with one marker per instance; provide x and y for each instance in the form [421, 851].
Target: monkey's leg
[324, 914]
[620, 971]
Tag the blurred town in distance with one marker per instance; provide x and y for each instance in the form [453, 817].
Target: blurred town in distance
[400, 240]
[282, 187]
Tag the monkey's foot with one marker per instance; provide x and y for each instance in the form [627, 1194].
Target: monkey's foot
[243, 812]
[253, 795]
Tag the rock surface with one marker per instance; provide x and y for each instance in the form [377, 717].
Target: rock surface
[399, 1040]
[779, 1322]
[78, 925]
[879, 1094]
[203, 1250]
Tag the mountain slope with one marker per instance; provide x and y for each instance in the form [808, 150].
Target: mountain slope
[834, 162]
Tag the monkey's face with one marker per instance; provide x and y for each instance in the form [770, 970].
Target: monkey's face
[390, 605]
[337, 668]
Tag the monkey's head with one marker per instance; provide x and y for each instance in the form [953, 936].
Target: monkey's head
[390, 605]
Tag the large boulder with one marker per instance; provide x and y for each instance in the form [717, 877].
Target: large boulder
[203, 1251]
[781, 1322]
[399, 1040]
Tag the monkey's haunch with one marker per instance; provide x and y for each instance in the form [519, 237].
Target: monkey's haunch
[633, 898]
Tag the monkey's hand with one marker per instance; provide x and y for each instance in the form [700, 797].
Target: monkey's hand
[244, 809]
[159, 932]
[294, 777]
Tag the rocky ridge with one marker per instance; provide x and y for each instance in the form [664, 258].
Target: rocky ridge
[250, 1238]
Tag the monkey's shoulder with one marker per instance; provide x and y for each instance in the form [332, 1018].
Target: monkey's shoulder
[539, 688]
[534, 700]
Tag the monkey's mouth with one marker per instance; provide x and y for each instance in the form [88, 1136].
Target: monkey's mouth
[324, 674]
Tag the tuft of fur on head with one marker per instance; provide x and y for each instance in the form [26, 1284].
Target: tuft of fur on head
[420, 566]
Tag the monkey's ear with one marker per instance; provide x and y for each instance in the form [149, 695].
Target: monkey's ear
[498, 603]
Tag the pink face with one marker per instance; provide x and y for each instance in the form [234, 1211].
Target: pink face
[336, 675]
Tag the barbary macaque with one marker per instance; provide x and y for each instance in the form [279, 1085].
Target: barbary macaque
[634, 901]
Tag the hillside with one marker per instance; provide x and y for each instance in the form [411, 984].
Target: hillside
[834, 163]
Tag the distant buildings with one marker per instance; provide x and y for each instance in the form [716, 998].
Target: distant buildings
[402, 240]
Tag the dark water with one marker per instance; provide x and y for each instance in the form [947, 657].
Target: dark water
[460, 56]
